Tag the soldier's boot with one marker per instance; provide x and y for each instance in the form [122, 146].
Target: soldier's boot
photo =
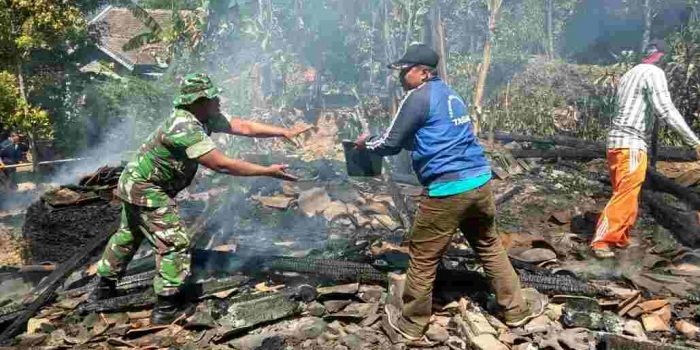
[170, 308]
[105, 289]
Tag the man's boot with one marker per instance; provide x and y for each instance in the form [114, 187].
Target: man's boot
[169, 308]
[105, 289]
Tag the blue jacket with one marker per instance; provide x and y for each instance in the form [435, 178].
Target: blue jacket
[433, 123]
[10, 153]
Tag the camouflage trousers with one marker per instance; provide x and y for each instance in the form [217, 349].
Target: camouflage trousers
[162, 228]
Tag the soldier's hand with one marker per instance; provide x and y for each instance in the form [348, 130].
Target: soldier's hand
[292, 133]
[697, 152]
[279, 171]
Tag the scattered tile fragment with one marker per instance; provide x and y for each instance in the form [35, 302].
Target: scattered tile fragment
[335, 305]
[688, 329]
[346, 289]
[437, 333]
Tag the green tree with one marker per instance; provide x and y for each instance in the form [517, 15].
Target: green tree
[8, 96]
[27, 27]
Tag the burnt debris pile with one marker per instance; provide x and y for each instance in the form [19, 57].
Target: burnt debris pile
[315, 264]
[63, 220]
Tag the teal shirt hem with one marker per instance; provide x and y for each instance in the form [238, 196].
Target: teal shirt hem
[450, 188]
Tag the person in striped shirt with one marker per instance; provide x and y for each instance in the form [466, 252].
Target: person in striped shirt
[642, 93]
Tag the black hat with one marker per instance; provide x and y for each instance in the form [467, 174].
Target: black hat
[417, 54]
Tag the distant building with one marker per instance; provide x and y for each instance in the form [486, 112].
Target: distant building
[113, 27]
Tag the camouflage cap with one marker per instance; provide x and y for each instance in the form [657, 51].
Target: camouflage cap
[195, 86]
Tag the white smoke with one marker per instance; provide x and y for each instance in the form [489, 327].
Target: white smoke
[116, 146]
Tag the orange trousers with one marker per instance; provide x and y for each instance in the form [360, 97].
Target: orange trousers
[628, 169]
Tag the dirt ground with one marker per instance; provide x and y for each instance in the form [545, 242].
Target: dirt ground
[11, 246]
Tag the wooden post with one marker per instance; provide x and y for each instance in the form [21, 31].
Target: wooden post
[653, 155]
[440, 45]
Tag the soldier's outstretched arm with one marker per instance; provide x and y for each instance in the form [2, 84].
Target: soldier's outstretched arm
[254, 129]
[219, 162]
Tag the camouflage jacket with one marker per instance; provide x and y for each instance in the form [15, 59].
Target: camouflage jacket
[167, 162]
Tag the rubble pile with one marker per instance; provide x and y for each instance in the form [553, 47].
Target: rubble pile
[66, 218]
[315, 264]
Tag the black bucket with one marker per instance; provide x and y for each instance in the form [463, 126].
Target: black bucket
[361, 162]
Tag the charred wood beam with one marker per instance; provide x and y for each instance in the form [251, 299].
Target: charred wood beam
[147, 298]
[121, 303]
[592, 153]
[682, 224]
[348, 271]
[10, 312]
[663, 184]
[125, 283]
[583, 149]
[556, 284]
[551, 284]
[338, 270]
[143, 280]
[53, 281]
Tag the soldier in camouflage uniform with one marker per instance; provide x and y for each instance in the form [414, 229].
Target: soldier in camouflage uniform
[166, 164]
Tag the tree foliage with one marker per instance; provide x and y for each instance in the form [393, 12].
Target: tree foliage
[28, 28]
[8, 95]
[37, 24]
[266, 47]
[32, 120]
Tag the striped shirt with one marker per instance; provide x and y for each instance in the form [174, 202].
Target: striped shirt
[642, 91]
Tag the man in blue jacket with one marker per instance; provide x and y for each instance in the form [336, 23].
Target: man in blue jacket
[11, 150]
[433, 123]
[11, 153]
